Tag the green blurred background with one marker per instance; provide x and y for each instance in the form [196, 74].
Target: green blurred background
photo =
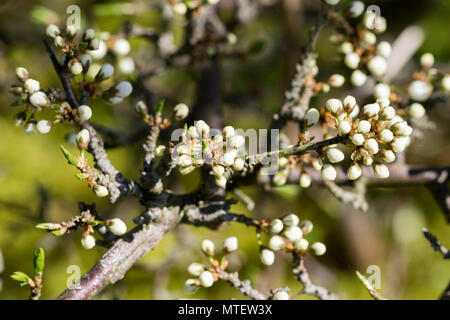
[36, 184]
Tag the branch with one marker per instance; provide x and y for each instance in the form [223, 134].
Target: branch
[244, 286]
[436, 244]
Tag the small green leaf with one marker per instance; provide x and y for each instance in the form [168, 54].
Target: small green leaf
[39, 261]
[70, 158]
[95, 223]
[21, 277]
[57, 233]
[47, 226]
[16, 103]
[80, 176]
[160, 106]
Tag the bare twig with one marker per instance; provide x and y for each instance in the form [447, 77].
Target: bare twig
[436, 244]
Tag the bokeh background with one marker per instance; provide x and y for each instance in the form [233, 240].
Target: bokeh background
[36, 184]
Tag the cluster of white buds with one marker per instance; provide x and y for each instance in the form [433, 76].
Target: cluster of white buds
[376, 135]
[220, 152]
[288, 234]
[121, 47]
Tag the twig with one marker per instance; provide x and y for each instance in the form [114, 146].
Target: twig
[436, 244]
[244, 286]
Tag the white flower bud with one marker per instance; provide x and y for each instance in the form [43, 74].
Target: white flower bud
[355, 9]
[106, 71]
[371, 145]
[377, 66]
[276, 243]
[230, 244]
[228, 158]
[281, 294]
[387, 156]
[346, 47]
[32, 85]
[381, 171]
[380, 24]
[283, 162]
[305, 180]
[382, 90]
[40, 99]
[344, 127]
[82, 138]
[44, 126]
[181, 111]
[401, 128]
[202, 128]
[185, 160]
[384, 49]
[427, 60]
[71, 31]
[180, 8]
[124, 89]
[101, 191]
[316, 164]
[236, 141]
[355, 112]
[332, 2]
[88, 241]
[301, 244]
[276, 226]
[228, 132]
[267, 257]
[386, 135]
[84, 112]
[351, 60]
[387, 113]
[196, 269]
[364, 126]
[416, 111]
[318, 248]
[206, 279]
[76, 68]
[121, 47]
[334, 106]
[190, 286]
[126, 65]
[59, 42]
[335, 155]
[218, 170]
[369, 38]
[101, 50]
[371, 110]
[159, 151]
[306, 226]
[117, 226]
[22, 74]
[29, 129]
[291, 220]
[238, 164]
[357, 139]
[293, 233]
[383, 102]
[419, 90]
[186, 170]
[52, 31]
[336, 80]
[328, 172]
[354, 172]
[349, 103]
[358, 78]
[368, 160]
[445, 82]
[280, 178]
[312, 116]
[208, 247]
[89, 34]
[397, 145]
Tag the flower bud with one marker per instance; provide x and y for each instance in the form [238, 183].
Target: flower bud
[44, 126]
[32, 85]
[354, 172]
[344, 127]
[401, 128]
[351, 60]
[386, 135]
[332, 2]
[357, 139]
[312, 117]
[397, 145]
[185, 160]
[301, 244]
[334, 106]
[318, 248]
[416, 111]
[336, 80]
[71, 31]
[206, 279]
[186, 170]
[82, 138]
[305, 180]
[59, 42]
[202, 128]
[346, 47]
[382, 90]
[276, 226]
[29, 128]
[117, 226]
[227, 158]
[75, 67]
[291, 220]
[316, 164]
[230, 244]
[84, 112]
[371, 145]
[383, 102]
[419, 90]
[355, 9]
[208, 247]
[126, 65]
[349, 103]
[427, 60]
[96, 50]
[123, 89]
[196, 269]
[179, 8]
[238, 164]
[52, 31]
[377, 66]
[381, 171]
[218, 170]
[106, 71]
[369, 38]
[121, 47]
[384, 49]
[280, 178]
[22, 74]
[293, 233]
[281, 294]
[88, 241]
[364, 126]
[236, 141]
[445, 82]
[267, 257]
[19, 118]
[358, 78]
[328, 172]
[88, 35]
[387, 113]
[191, 286]
[306, 226]
[228, 132]
[387, 156]
[101, 191]
[335, 155]
[181, 111]
[371, 110]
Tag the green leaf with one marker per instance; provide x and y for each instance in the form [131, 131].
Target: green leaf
[80, 176]
[57, 233]
[21, 277]
[47, 226]
[160, 106]
[39, 261]
[95, 223]
[70, 158]
[16, 103]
